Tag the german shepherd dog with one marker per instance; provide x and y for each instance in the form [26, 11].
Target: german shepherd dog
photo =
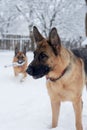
[20, 58]
[65, 76]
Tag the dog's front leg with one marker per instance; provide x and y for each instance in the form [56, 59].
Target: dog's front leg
[15, 73]
[24, 76]
[55, 113]
[78, 113]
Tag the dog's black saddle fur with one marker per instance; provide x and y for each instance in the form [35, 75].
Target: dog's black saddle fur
[81, 53]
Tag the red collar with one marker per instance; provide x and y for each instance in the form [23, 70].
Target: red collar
[55, 79]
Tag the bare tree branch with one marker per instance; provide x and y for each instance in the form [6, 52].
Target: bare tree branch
[20, 10]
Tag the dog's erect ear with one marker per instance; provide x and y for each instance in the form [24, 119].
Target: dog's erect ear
[38, 37]
[24, 50]
[16, 50]
[54, 40]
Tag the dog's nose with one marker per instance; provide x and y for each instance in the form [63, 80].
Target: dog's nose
[30, 70]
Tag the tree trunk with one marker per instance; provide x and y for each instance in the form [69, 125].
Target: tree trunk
[32, 41]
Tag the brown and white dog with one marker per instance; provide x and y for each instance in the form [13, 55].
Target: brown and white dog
[65, 76]
[20, 59]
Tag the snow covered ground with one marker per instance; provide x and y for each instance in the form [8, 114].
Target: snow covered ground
[26, 105]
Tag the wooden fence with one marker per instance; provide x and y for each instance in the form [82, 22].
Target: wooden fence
[8, 42]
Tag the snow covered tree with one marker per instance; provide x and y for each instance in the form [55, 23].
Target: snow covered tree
[27, 12]
[66, 15]
[46, 14]
[8, 14]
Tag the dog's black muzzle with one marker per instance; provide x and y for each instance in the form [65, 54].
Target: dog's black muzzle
[38, 71]
[20, 61]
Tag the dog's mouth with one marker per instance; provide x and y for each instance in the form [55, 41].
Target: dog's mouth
[20, 61]
[38, 71]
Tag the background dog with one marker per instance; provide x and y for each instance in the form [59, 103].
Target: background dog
[21, 59]
[64, 73]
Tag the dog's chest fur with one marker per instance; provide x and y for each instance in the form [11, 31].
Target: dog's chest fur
[20, 69]
[70, 86]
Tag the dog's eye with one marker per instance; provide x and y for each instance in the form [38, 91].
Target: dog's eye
[42, 56]
[22, 57]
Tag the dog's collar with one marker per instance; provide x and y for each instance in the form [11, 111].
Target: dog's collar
[55, 79]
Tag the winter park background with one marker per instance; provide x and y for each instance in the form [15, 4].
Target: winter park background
[26, 105]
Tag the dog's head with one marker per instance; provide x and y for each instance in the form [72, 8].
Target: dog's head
[20, 56]
[45, 53]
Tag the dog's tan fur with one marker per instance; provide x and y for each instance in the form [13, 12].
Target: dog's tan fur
[20, 69]
[70, 85]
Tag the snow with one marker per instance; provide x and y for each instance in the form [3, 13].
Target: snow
[26, 105]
